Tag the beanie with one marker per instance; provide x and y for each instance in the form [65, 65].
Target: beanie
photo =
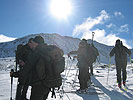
[31, 39]
[83, 41]
[38, 39]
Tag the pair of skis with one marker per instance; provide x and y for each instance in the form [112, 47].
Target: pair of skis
[87, 92]
[123, 89]
[92, 90]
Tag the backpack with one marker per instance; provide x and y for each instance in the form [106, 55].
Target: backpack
[92, 54]
[95, 53]
[18, 52]
[52, 65]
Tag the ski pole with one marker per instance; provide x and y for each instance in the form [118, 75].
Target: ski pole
[108, 69]
[98, 60]
[75, 76]
[17, 80]
[11, 84]
[92, 37]
[66, 75]
[131, 63]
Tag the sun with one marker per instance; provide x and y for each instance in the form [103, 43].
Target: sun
[61, 8]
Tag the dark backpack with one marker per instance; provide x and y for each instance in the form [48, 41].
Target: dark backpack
[18, 52]
[92, 54]
[52, 66]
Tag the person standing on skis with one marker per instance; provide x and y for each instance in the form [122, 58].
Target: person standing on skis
[85, 60]
[120, 53]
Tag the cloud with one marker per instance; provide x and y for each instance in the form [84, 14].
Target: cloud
[111, 25]
[124, 28]
[118, 14]
[4, 38]
[131, 43]
[89, 23]
[118, 29]
[87, 27]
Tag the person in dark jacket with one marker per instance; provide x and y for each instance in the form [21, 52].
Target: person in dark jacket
[83, 64]
[85, 60]
[21, 56]
[38, 91]
[120, 53]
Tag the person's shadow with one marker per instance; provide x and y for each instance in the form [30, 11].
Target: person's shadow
[112, 94]
[108, 94]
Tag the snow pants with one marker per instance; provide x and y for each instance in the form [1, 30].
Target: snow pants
[83, 75]
[91, 69]
[39, 92]
[121, 68]
[21, 91]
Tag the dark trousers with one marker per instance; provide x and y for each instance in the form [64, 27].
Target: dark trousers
[120, 69]
[83, 75]
[21, 91]
[39, 92]
[91, 69]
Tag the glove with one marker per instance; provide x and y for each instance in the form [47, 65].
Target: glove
[14, 74]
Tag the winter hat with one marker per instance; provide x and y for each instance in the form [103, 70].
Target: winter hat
[83, 41]
[118, 42]
[38, 39]
[30, 40]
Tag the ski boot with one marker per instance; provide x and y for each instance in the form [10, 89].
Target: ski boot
[119, 85]
[81, 91]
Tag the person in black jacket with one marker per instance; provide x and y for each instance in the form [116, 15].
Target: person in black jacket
[22, 53]
[38, 91]
[85, 57]
[120, 53]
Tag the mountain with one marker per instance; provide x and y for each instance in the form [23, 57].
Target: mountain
[7, 49]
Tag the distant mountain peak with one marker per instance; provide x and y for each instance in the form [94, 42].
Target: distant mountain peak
[4, 38]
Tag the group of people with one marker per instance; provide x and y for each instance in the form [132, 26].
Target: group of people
[28, 56]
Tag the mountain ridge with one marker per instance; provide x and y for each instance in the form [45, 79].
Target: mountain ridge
[66, 43]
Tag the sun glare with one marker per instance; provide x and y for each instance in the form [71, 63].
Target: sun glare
[61, 8]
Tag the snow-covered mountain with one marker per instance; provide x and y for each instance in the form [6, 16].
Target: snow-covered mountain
[7, 49]
[4, 38]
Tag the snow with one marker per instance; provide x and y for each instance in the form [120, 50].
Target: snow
[99, 80]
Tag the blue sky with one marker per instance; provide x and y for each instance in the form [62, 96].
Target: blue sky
[109, 19]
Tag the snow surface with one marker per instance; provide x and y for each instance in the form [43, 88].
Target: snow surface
[110, 89]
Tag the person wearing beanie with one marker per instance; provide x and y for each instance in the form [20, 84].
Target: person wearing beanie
[85, 58]
[38, 91]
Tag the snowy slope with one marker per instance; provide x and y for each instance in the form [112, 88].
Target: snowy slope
[70, 83]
